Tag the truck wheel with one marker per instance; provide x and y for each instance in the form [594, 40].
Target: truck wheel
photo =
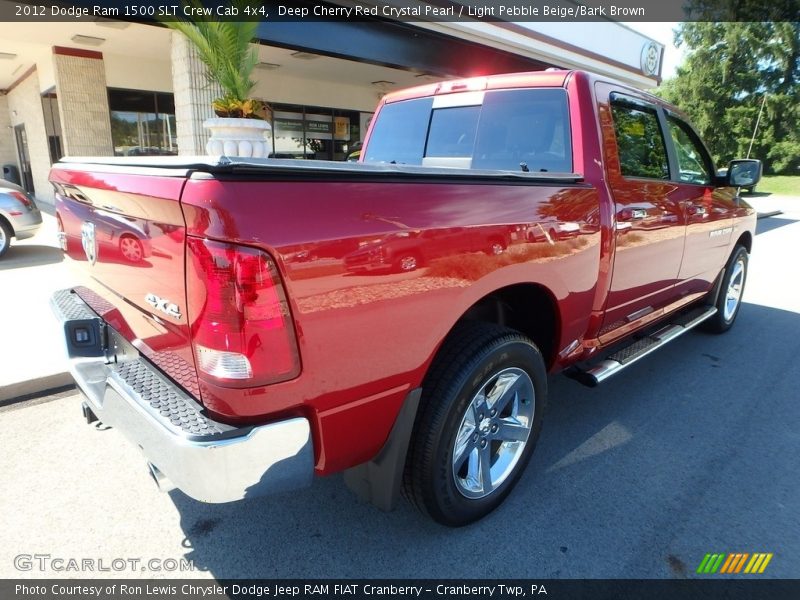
[5, 237]
[479, 419]
[131, 248]
[730, 294]
[407, 263]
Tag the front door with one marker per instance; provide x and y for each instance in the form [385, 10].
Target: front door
[709, 210]
[26, 175]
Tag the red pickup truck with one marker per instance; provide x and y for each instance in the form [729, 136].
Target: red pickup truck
[251, 323]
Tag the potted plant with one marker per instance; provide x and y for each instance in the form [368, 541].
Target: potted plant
[224, 47]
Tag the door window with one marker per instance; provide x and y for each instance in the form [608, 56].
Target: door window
[693, 164]
[640, 143]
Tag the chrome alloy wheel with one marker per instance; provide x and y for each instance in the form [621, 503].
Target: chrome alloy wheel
[733, 295]
[493, 433]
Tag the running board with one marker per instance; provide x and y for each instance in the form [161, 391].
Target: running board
[625, 357]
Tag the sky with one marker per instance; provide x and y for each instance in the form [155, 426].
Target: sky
[662, 32]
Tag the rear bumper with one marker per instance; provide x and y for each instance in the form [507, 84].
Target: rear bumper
[207, 460]
[26, 225]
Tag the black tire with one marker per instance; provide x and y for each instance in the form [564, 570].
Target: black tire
[726, 314]
[6, 234]
[471, 360]
[407, 262]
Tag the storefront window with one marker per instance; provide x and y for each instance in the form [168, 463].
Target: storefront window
[142, 123]
[313, 132]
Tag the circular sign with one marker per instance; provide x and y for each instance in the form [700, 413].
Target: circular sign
[650, 59]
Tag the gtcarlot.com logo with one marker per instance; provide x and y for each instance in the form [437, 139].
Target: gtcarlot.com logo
[734, 563]
[61, 564]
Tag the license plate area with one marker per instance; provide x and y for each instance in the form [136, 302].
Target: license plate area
[85, 337]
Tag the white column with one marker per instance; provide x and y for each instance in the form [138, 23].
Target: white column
[8, 153]
[193, 96]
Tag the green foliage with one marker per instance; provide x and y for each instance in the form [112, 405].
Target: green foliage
[729, 68]
[224, 48]
[780, 184]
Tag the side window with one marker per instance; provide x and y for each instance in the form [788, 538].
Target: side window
[693, 166]
[640, 143]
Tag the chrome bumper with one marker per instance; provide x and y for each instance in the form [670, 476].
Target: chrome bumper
[208, 460]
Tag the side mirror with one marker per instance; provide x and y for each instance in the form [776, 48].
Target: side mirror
[744, 172]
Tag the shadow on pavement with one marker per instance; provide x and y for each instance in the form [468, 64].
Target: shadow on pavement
[19, 257]
[770, 223]
[629, 480]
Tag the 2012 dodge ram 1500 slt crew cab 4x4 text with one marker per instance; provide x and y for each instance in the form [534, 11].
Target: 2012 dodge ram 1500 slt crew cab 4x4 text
[395, 319]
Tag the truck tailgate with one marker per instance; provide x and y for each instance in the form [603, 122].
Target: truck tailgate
[125, 234]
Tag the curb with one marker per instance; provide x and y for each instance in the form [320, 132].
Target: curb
[34, 387]
[772, 213]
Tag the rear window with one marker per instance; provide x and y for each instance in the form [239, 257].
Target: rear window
[510, 130]
[399, 134]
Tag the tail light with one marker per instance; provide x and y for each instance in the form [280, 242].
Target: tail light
[27, 202]
[242, 331]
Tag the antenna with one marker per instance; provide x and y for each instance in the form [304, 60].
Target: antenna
[758, 120]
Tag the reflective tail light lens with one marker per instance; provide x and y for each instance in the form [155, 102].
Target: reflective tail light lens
[242, 330]
[26, 202]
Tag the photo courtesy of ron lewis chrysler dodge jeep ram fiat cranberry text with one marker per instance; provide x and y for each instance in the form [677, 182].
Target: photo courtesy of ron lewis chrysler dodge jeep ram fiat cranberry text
[251, 323]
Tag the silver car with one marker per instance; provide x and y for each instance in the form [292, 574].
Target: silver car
[19, 215]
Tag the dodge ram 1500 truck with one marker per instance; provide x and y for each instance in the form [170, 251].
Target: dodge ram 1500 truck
[395, 319]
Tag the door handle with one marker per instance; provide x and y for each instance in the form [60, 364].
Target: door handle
[698, 210]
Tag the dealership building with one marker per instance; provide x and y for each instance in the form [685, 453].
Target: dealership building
[105, 87]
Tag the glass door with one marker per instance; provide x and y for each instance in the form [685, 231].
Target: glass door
[26, 175]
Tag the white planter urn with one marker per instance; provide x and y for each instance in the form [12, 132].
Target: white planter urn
[237, 137]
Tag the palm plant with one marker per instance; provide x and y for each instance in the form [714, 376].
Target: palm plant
[224, 48]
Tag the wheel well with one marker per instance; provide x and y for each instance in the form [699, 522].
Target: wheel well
[746, 240]
[526, 307]
[5, 222]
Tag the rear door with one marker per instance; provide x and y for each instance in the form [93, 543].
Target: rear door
[649, 223]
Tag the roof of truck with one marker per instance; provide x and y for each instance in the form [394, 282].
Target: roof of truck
[547, 78]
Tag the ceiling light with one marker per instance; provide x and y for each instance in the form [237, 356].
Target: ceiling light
[113, 24]
[7, 56]
[267, 66]
[305, 55]
[88, 40]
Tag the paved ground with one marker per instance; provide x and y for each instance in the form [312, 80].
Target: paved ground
[31, 353]
[693, 450]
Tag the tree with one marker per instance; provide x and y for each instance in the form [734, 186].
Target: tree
[729, 69]
[225, 48]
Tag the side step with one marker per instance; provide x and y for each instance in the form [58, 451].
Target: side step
[641, 347]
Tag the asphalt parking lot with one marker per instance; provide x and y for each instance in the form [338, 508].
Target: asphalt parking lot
[695, 449]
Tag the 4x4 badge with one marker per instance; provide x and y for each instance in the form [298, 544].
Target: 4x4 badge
[164, 306]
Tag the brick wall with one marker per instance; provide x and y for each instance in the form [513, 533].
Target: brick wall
[8, 151]
[193, 96]
[25, 107]
[83, 104]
